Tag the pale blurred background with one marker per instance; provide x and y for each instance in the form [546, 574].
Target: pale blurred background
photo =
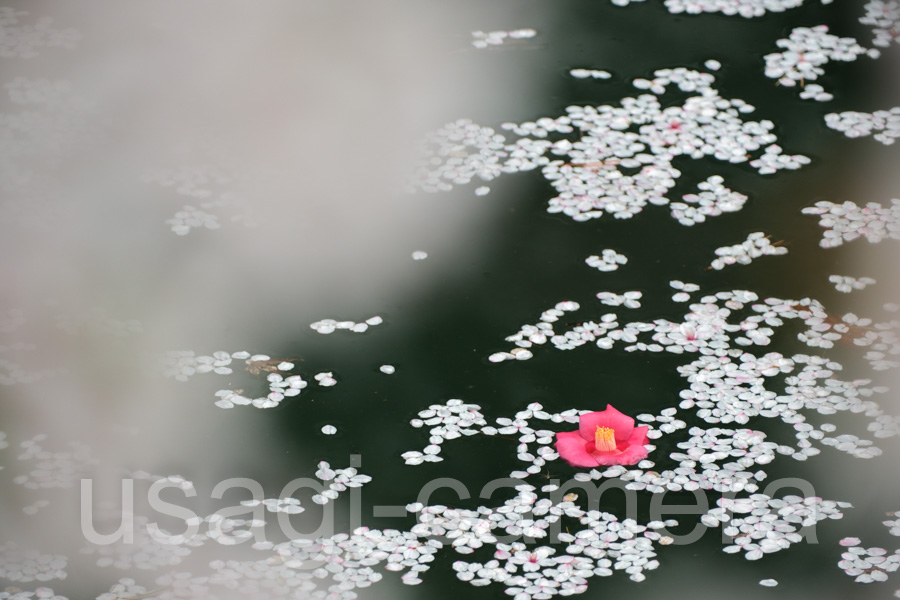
[305, 113]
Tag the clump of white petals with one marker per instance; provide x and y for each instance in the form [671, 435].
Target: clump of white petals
[447, 421]
[280, 387]
[884, 17]
[183, 364]
[207, 187]
[847, 284]
[541, 333]
[770, 524]
[747, 9]
[49, 469]
[713, 200]
[870, 565]
[774, 159]
[327, 326]
[756, 245]
[23, 566]
[630, 299]
[885, 124]
[608, 261]
[290, 506]
[338, 481]
[848, 221]
[482, 39]
[684, 290]
[145, 553]
[743, 8]
[124, 589]
[816, 92]
[806, 51]
[325, 379]
[589, 73]
[610, 159]
[190, 217]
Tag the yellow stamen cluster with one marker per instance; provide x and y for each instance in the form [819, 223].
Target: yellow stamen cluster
[605, 439]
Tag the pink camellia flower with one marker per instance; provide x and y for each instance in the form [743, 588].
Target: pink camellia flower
[607, 437]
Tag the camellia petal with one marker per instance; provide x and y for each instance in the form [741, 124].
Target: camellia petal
[629, 456]
[638, 436]
[574, 450]
[621, 423]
